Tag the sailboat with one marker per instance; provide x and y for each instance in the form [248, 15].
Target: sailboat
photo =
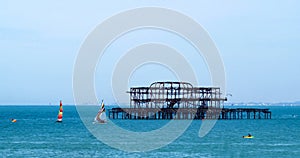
[101, 116]
[60, 113]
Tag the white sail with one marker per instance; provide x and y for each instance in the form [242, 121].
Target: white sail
[101, 116]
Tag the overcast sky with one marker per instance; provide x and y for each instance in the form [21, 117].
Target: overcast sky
[257, 40]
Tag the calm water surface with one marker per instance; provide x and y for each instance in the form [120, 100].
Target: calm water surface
[36, 134]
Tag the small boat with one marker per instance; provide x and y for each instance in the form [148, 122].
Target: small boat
[60, 113]
[13, 120]
[101, 115]
[248, 136]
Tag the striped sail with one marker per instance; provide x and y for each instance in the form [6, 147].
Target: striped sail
[101, 116]
[60, 113]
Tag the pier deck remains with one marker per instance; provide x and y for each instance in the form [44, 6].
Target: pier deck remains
[180, 100]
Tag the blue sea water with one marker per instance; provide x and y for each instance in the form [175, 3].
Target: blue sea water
[36, 134]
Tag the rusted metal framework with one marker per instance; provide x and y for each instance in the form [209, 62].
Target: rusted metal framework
[180, 100]
[175, 95]
[189, 113]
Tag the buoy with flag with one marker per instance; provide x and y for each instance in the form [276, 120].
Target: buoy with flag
[101, 115]
[60, 112]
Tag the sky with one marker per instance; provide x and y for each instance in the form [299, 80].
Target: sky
[257, 40]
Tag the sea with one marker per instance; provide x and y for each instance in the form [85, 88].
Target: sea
[36, 134]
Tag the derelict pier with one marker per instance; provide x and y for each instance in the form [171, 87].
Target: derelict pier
[180, 100]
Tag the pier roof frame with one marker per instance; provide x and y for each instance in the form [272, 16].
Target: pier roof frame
[175, 94]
